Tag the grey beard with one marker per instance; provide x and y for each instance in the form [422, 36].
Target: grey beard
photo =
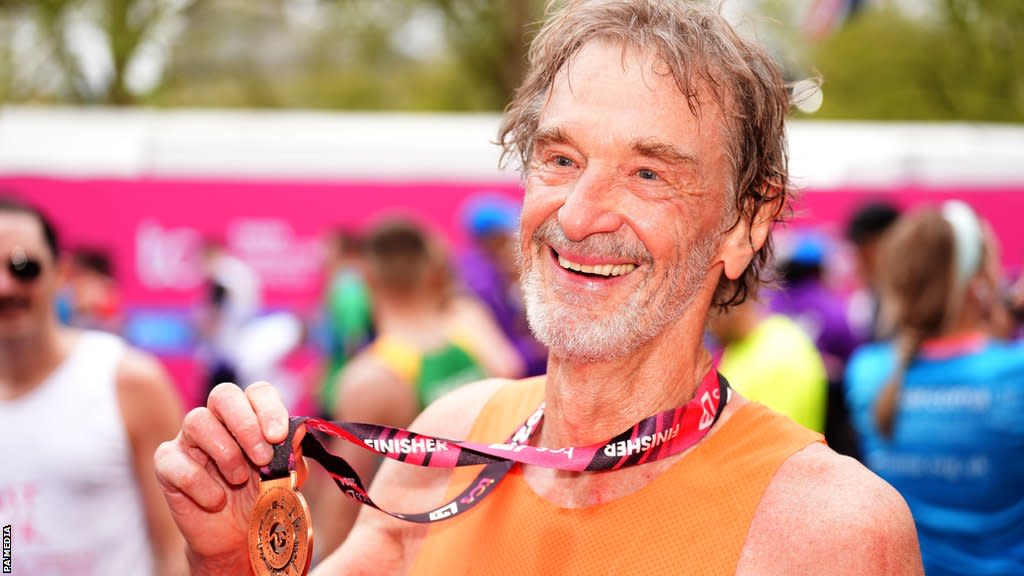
[571, 331]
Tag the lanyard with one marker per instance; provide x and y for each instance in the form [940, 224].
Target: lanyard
[653, 438]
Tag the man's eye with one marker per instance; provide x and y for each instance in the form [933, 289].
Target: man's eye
[647, 174]
[563, 161]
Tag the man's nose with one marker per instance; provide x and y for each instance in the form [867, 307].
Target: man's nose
[591, 207]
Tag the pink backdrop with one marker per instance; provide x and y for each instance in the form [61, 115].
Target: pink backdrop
[153, 230]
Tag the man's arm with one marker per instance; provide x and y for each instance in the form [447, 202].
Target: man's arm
[827, 514]
[151, 411]
[379, 544]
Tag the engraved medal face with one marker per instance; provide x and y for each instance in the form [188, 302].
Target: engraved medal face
[280, 533]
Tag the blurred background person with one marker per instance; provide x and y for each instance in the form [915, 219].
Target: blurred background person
[772, 361]
[93, 297]
[938, 408]
[489, 271]
[430, 340]
[232, 299]
[806, 297]
[865, 230]
[80, 416]
[348, 320]
[1014, 297]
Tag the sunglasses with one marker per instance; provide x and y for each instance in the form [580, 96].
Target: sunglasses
[22, 267]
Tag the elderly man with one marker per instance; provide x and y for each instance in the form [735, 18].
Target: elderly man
[654, 163]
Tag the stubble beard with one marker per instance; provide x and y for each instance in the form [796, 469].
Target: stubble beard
[569, 324]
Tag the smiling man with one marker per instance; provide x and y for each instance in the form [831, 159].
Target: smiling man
[652, 144]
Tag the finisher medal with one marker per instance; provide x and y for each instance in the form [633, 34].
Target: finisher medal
[280, 531]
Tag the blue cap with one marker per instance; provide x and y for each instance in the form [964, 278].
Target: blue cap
[809, 249]
[486, 214]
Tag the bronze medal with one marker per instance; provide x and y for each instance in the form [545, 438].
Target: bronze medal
[280, 532]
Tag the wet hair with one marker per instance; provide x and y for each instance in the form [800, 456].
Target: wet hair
[11, 205]
[398, 255]
[870, 221]
[920, 292]
[704, 55]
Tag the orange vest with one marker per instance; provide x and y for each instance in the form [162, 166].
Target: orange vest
[691, 519]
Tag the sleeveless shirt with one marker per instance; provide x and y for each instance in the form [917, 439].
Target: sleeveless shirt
[431, 373]
[691, 519]
[67, 484]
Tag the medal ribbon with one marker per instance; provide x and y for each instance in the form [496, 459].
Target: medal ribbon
[656, 437]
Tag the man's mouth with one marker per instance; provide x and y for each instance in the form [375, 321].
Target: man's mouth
[598, 270]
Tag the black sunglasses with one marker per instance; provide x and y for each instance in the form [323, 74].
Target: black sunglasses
[22, 267]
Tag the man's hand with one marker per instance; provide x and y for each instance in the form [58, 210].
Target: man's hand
[209, 476]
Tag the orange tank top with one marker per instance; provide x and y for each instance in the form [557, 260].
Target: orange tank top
[691, 519]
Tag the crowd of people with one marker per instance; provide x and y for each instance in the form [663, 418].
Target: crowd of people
[870, 431]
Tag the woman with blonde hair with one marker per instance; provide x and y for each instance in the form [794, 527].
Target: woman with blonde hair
[938, 407]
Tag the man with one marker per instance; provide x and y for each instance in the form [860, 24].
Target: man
[865, 230]
[654, 164]
[428, 343]
[93, 289]
[80, 417]
[488, 269]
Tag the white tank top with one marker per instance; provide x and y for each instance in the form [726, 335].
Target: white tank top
[67, 483]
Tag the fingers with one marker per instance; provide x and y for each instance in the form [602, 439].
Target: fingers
[202, 430]
[235, 429]
[178, 472]
[270, 411]
[231, 406]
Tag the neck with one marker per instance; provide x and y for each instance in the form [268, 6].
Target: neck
[971, 319]
[589, 402]
[25, 362]
[407, 315]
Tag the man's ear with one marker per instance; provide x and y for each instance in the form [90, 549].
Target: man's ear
[749, 235]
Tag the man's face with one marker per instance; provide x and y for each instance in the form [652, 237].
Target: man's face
[25, 304]
[624, 207]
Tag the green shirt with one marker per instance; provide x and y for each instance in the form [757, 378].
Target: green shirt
[431, 373]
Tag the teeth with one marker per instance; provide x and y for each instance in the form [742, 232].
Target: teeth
[610, 270]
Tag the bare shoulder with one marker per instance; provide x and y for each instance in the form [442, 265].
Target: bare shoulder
[362, 372]
[152, 413]
[827, 514]
[145, 390]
